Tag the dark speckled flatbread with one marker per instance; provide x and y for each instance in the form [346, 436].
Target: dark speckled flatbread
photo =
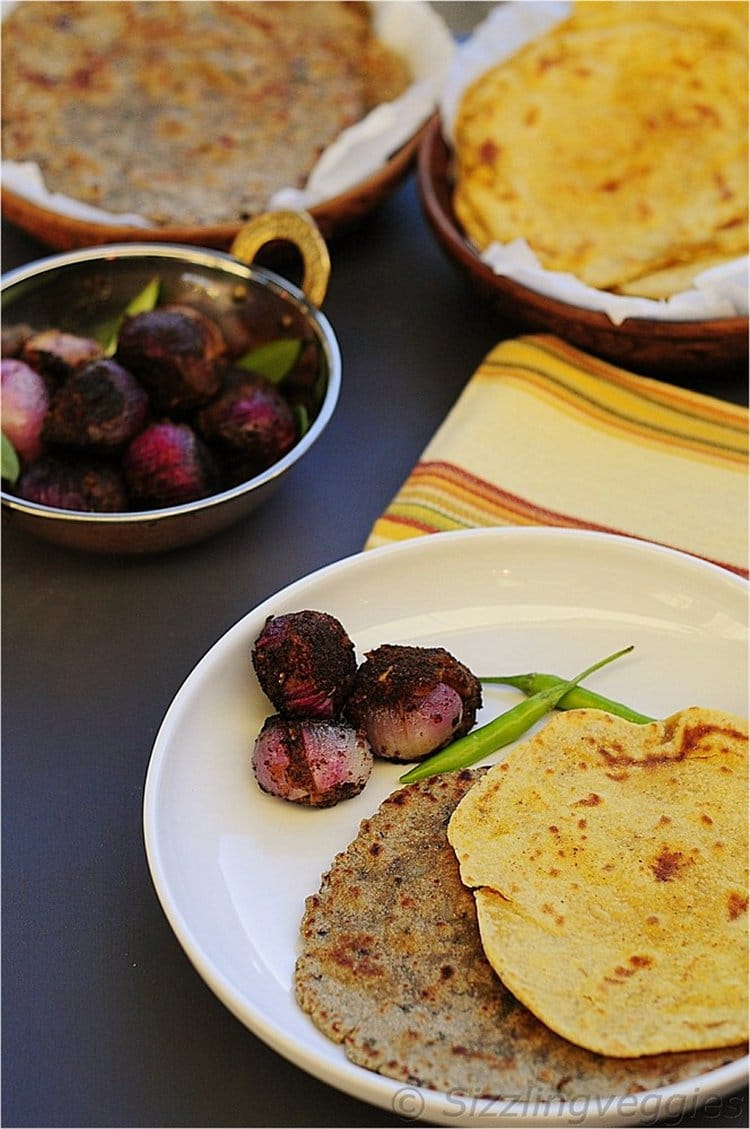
[393, 969]
[186, 113]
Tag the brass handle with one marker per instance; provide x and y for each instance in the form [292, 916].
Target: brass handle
[293, 227]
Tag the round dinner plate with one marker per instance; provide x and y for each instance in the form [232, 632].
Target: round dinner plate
[232, 866]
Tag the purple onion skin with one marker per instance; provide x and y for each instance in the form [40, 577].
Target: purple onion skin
[167, 465]
[89, 486]
[176, 352]
[251, 419]
[311, 762]
[305, 664]
[56, 354]
[413, 733]
[101, 406]
[25, 404]
[412, 701]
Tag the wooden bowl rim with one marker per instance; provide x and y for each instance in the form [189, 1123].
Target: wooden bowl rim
[330, 214]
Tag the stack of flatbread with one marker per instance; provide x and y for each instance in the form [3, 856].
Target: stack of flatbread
[607, 952]
[615, 145]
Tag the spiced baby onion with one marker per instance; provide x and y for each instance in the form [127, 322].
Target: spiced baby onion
[502, 730]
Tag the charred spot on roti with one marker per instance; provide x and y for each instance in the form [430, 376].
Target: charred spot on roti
[668, 864]
[624, 972]
[591, 801]
[736, 905]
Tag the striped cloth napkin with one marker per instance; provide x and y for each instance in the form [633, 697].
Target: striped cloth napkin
[544, 434]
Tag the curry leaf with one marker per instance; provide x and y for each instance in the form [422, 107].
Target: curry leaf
[274, 359]
[11, 468]
[303, 419]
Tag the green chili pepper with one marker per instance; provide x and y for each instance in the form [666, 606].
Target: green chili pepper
[502, 730]
[579, 698]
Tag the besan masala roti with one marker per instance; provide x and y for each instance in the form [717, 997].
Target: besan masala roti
[391, 966]
[187, 113]
[609, 865]
[615, 145]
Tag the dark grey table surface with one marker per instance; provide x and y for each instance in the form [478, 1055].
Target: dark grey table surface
[105, 1021]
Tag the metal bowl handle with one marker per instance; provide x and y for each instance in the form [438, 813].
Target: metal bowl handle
[293, 227]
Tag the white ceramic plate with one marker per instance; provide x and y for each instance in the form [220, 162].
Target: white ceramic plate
[233, 866]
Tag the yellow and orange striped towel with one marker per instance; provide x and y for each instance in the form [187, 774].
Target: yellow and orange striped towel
[544, 434]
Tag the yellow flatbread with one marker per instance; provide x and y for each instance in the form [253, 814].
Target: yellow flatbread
[615, 144]
[609, 863]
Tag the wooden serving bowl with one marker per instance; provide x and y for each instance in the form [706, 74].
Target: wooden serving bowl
[65, 233]
[668, 347]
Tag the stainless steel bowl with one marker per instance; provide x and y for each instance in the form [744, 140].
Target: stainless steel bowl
[84, 291]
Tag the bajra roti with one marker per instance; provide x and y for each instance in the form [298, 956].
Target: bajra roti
[392, 967]
[609, 862]
[615, 145]
[186, 113]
